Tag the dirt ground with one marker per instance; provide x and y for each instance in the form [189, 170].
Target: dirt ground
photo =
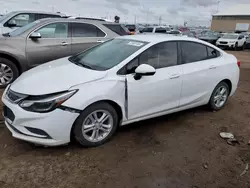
[182, 150]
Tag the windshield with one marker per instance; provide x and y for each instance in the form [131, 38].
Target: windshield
[230, 36]
[5, 16]
[21, 30]
[108, 54]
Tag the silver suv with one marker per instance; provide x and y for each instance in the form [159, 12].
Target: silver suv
[16, 19]
[49, 39]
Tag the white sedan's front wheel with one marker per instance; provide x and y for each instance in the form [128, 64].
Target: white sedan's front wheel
[96, 125]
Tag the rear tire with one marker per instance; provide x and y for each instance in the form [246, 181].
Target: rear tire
[8, 72]
[219, 96]
[96, 125]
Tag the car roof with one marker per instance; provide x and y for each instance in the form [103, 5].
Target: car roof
[155, 38]
[75, 20]
[39, 12]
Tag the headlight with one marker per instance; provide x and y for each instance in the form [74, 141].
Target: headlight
[45, 103]
[232, 42]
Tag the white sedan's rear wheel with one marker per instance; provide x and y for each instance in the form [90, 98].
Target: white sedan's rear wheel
[219, 96]
[96, 125]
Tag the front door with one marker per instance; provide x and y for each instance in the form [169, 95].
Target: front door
[54, 43]
[241, 40]
[85, 35]
[157, 93]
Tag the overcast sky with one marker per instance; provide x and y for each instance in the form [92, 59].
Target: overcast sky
[195, 12]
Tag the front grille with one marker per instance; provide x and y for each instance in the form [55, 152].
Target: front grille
[15, 97]
[223, 42]
[8, 113]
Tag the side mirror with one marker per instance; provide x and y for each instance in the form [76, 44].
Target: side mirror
[144, 70]
[35, 35]
[12, 23]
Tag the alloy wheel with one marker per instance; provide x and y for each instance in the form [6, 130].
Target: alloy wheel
[220, 96]
[97, 125]
[6, 74]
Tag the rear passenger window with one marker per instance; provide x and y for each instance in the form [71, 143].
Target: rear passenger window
[161, 55]
[86, 30]
[212, 53]
[192, 52]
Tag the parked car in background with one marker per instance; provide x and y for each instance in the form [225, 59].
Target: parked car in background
[210, 37]
[246, 34]
[17, 19]
[175, 32]
[154, 29]
[49, 39]
[247, 43]
[232, 40]
[87, 96]
[189, 34]
[132, 28]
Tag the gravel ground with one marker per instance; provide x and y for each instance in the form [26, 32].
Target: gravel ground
[182, 150]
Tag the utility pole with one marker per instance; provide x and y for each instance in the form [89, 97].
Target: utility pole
[160, 19]
[218, 4]
[135, 19]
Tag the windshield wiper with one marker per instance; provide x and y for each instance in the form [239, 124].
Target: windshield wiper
[84, 65]
[6, 34]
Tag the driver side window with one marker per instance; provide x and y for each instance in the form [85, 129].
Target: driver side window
[159, 56]
[56, 30]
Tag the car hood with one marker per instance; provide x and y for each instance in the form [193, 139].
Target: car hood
[227, 40]
[55, 76]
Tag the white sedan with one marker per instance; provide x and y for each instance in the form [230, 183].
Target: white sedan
[124, 80]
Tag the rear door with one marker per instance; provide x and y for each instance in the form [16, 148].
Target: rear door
[54, 43]
[86, 35]
[202, 67]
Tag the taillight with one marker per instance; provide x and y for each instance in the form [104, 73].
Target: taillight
[238, 63]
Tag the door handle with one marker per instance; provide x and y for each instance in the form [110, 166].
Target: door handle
[212, 67]
[64, 43]
[100, 41]
[174, 76]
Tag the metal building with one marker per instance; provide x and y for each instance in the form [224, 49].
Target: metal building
[236, 18]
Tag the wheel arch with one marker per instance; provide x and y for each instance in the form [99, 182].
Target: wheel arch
[229, 83]
[114, 104]
[13, 59]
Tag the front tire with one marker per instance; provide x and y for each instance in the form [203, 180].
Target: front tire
[8, 72]
[243, 46]
[95, 125]
[219, 96]
[236, 47]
